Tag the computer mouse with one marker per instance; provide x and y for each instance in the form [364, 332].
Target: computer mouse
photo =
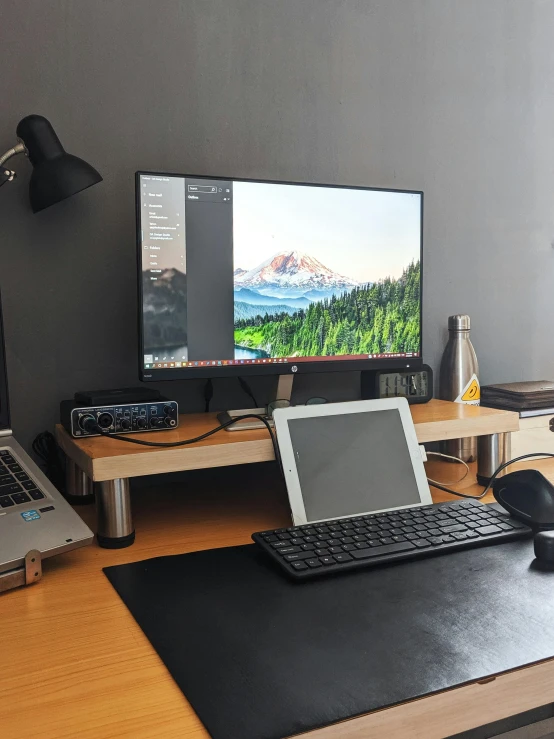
[528, 496]
[544, 547]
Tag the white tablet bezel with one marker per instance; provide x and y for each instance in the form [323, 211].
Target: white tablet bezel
[283, 415]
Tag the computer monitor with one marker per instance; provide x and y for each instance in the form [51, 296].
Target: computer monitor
[243, 277]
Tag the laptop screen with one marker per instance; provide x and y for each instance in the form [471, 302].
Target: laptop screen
[353, 463]
[4, 407]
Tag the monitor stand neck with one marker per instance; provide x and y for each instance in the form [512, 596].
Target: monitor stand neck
[284, 392]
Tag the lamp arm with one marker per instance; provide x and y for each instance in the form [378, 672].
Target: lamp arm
[17, 149]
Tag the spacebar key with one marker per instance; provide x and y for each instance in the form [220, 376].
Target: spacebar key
[401, 546]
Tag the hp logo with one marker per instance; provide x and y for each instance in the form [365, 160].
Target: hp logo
[294, 368]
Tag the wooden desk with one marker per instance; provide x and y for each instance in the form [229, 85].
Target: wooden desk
[111, 462]
[74, 663]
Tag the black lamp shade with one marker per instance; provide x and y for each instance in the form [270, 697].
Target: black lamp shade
[56, 174]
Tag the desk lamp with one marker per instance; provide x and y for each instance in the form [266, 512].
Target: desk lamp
[56, 174]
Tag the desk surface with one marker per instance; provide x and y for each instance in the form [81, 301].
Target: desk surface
[107, 459]
[75, 663]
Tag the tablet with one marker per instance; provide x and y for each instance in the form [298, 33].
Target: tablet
[350, 459]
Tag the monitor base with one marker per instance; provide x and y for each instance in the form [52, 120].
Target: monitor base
[284, 392]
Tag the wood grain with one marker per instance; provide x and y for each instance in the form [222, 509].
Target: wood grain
[70, 643]
[107, 459]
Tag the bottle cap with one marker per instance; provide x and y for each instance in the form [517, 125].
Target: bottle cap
[459, 323]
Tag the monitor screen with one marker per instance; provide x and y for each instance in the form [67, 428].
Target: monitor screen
[262, 276]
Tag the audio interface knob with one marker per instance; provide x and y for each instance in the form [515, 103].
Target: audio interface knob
[141, 422]
[125, 424]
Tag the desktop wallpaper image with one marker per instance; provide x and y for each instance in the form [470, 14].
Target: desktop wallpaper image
[346, 282]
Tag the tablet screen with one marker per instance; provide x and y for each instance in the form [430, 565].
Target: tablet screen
[353, 463]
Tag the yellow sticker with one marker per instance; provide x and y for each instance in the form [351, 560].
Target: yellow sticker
[471, 394]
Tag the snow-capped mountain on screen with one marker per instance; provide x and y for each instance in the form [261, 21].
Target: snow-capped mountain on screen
[292, 273]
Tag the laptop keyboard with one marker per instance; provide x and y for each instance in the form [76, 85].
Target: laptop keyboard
[362, 541]
[16, 487]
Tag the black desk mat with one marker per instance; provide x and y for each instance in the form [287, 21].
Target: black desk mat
[261, 657]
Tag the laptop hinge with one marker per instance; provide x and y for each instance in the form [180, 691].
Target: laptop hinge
[28, 574]
[5, 432]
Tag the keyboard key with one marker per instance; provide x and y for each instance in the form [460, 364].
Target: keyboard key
[6, 479]
[471, 534]
[298, 556]
[488, 530]
[13, 487]
[297, 541]
[6, 502]
[344, 557]
[280, 544]
[327, 561]
[335, 550]
[269, 539]
[447, 539]
[403, 546]
[399, 538]
[8, 459]
[348, 547]
[20, 498]
[451, 529]
[459, 535]
[313, 563]
[433, 532]
[322, 552]
[435, 540]
[346, 540]
[396, 532]
[421, 543]
[289, 550]
[308, 547]
[309, 539]
[362, 544]
[386, 540]
[334, 542]
[14, 468]
[283, 537]
[36, 494]
[299, 566]
[412, 536]
[21, 476]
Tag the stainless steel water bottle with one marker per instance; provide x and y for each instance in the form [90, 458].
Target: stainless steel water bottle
[459, 381]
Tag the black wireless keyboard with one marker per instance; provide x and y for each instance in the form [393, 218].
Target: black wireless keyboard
[336, 546]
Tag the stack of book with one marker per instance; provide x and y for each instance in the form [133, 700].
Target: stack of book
[534, 398]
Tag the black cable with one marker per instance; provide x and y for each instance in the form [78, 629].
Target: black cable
[196, 439]
[45, 447]
[493, 478]
[248, 390]
[208, 394]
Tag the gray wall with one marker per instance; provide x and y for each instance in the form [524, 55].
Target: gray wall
[454, 97]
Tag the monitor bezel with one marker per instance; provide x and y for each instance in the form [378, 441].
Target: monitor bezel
[4, 397]
[304, 367]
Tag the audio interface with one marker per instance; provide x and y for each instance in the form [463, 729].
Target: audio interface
[160, 415]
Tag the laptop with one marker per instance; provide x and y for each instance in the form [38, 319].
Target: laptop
[33, 514]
